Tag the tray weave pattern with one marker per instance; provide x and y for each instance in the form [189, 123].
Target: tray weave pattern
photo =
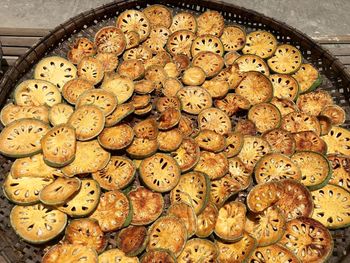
[336, 81]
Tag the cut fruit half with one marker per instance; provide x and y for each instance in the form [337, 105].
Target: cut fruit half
[284, 86]
[184, 21]
[194, 99]
[141, 52]
[248, 63]
[171, 86]
[286, 60]
[133, 20]
[210, 22]
[308, 78]
[233, 38]
[117, 137]
[110, 40]
[60, 114]
[193, 76]
[12, 112]
[260, 43]
[207, 43]
[215, 120]
[197, 250]
[265, 116]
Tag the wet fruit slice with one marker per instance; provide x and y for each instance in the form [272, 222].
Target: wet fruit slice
[284, 86]
[215, 165]
[85, 201]
[186, 214]
[169, 118]
[22, 138]
[59, 191]
[88, 121]
[187, 155]
[121, 112]
[222, 189]
[335, 113]
[91, 69]
[248, 63]
[307, 77]
[147, 206]
[275, 167]
[210, 22]
[117, 137]
[206, 220]
[74, 88]
[80, 48]
[142, 148]
[286, 60]
[273, 253]
[338, 141]
[331, 206]
[35, 92]
[231, 220]
[193, 76]
[197, 250]
[89, 158]
[232, 103]
[308, 239]
[86, 232]
[340, 170]
[260, 43]
[299, 121]
[133, 20]
[262, 196]
[233, 38]
[184, 21]
[158, 15]
[122, 87]
[281, 141]
[70, 252]
[60, 113]
[233, 144]
[113, 212]
[37, 224]
[315, 169]
[12, 112]
[239, 172]
[210, 62]
[118, 174]
[160, 172]
[132, 240]
[159, 254]
[309, 141]
[110, 39]
[56, 70]
[180, 42]
[24, 190]
[210, 141]
[215, 120]
[265, 116]
[285, 106]
[194, 99]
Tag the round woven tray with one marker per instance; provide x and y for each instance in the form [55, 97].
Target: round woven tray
[336, 81]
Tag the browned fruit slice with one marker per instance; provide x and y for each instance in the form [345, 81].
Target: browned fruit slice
[299, 121]
[335, 113]
[232, 75]
[140, 101]
[157, 74]
[162, 255]
[187, 127]
[233, 38]
[180, 42]
[182, 61]
[115, 255]
[273, 253]
[286, 60]
[308, 78]
[340, 170]
[325, 124]
[74, 88]
[309, 141]
[103, 99]
[117, 137]
[207, 43]
[215, 165]
[110, 40]
[230, 58]
[157, 39]
[158, 15]
[234, 144]
[169, 118]
[80, 48]
[210, 62]
[132, 240]
[91, 69]
[239, 172]
[210, 22]
[169, 140]
[187, 155]
[248, 63]
[223, 188]
[265, 116]
[206, 220]
[184, 21]
[194, 99]
[232, 103]
[121, 112]
[193, 76]
[281, 141]
[171, 86]
[285, 106]
[215, 120]
[261, 43]
[144, 111]
[141, 148]
[314, 102]
[132, 68]
[210, 141]
[186, 214]
[263, 196]
[284, 86]
[60, 114]
[12, 112]
[121, 86]
[109, 62]
[144, 86]
[147, 129]
[164, 103]
[197, 250]
[134, 20]
[141, 52]
[216, 87]
[70, 253]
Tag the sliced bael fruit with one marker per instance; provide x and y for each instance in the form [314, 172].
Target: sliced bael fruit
[171, 86]
[133, 20]
[232, 103]
[147, 205]
[109, 61]
[164, 103]
[230, 58]
[116, 255]
[104, 100]
[255, 87]
[338, 141]
[86, 232]
[157, 74]
[132, 240]
[132, 68]
[22, 138]
[159, 254]
[160, 172]
[230, 222]
[187, 155]
[59, 191]
[335, 113]
[308, 78]
[232, 75]
[194, 99]
[265, 116]
[300, 121]
[309, 141]
[70, 253]
[210, 141]
[169, 140]
[140, 101]
[263, 196]
[216, 87]
[186, 127]
[285, 106]
[146, 129]
[184, 21]
[91, 69]
[120, 86]
[158, 15]
[275, 167]
[59, 145]
[308, 239]
[60, 113]
[193, 76]
[239, 172]
[37, 223]
[116, 137]
[247, 63]
[287, 59]
[207, 43]
[239, 251]
[74, 88]
[210, 62]
[222, 189]
[169, 118]
[56, 70]
[24, 190]
[141, 148]
[314, 102]
[132, 39]
[88, 121]
[81, 47]
[340, 170]
[180, 42]
[273, 253]
[281, 141]
[199, 250]
[284, 86]
[215, 165]
[141, 52]
[215, 120]
[89, 158]
[206, 220]
[181, 61]
[144, 86]
[35, 92]
[121, 112]
[233, 38]
[157, 39]
[144, 111]
[331, 206]
[12, 112]
[186, 214]
[85, 201]
[210, 22]
[245, 127]
[294, 199]
[195, 184]
[315, 169]
[233, 144]
[113, 212]
[110, 39]
[253, 149]
[260, 43]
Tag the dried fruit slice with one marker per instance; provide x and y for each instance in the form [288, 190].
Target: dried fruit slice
[122, 87]
[210, 141]
[284, 86]
[335, 113]
[113, 212]
[118, 174]
[308, 78]
[313, 102]
[132, 39]
[281, 141]
[24, 190]
[89, 158]
[231, 220]
[260, 43]
[12, 112]
[180, 42]
[103, 99]
[132, 68]
[160, 172]
[187, 155]
[171, 86]
[206, 220]
[164, 103]
[91, 69]
[207, 43]
[184, 21]
[215, 165]
[117, 137]
[116, 255]
[147, 206]
[35, 92]
[210, 22]
[169, 118]
[299, 121]
[325, 124]
[141, 52]
[239, 172]
[215, 120]
[86, 232]
[233, 38]
[193, 76]
[37, 224]
[158, 15]
[197, 250]
[285, 106]
[60, 114]
[170, 140]
[56, 70]
[234, 144]
[121, 112]
[338, 141]
[232, 75]
[230, 58]
[132, 240]
[247, 63]
[158, 38]
[309, 141]
[186, 214]
[265, 116]
[146, 129]
[273, 253]
[144, 111]
[141, 148]
[157, 74]
[133, 20]
[110, 39]
[74, 88]
[232, 103]
[340, 170]
[315, 169]
[286, 60]
[109, 62]
[308, 239]
[80, 48]
[159, 254]
[245, 127]
[70, 253]
[144, 87]
[263, 196]
[194, 99]
[216, 87]
[222, 189]
[187, 127]
[255, 87]
[210, 62]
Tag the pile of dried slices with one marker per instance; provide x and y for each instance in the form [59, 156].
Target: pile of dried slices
[153, 128]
